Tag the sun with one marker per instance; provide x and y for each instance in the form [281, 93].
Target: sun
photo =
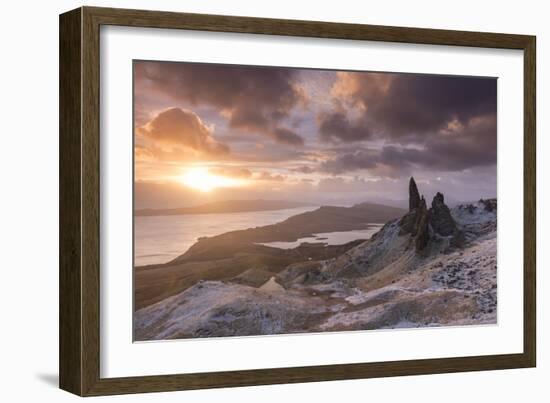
[200, 179]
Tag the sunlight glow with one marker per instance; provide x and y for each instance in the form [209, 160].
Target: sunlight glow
[200, 179]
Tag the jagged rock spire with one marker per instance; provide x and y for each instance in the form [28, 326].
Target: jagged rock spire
[414, 196]
[442, 221]
[425, 224]
[438, 199]
[422, 226]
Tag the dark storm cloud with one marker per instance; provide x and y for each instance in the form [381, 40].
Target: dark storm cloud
[456, 150]
[363, 159]
[416, 105]
[253, 99]
[438, 122]
[336, 126]
[284, 135]
[470, 146]
[403, 105]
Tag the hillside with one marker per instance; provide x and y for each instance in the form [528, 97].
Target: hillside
[431, 266]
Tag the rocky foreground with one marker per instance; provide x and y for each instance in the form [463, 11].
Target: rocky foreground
[434, 266]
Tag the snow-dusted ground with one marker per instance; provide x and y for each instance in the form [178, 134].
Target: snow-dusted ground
[214, 308]
[382, 283]
[454, 289]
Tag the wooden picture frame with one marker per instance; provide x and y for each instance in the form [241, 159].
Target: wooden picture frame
[79, 348]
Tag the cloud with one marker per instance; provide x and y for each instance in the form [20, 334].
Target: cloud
[361, 159]
[287, 136]
[460, 148]
[304, 169]
[470, 145]
[338, 184]
[175, 130]
[252, 99]
[415, 105]
[142, 153]
[266, 176]
[233, 172]
[336, 126]
[423, 121]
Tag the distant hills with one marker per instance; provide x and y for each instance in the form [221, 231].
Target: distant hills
[323, 219]
[226, 206]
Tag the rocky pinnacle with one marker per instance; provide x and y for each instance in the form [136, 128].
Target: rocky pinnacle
[426, 224]
[414, 196]
[442, 221]
[422, 226]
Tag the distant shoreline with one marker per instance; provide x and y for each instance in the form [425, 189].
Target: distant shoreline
[325, 219]
[222, 207]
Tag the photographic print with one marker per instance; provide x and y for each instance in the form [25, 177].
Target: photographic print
[278, 200]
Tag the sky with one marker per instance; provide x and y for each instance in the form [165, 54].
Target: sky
[207, 132]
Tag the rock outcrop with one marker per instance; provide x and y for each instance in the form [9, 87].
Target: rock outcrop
[489, 204]
[417, 210]
[441, 220]
[414, 196]
[425, 224]
[422, 230]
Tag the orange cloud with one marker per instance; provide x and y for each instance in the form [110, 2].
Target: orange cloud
[176, 130]
[143, 154]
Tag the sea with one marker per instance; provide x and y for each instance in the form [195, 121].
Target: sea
[160, 239]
